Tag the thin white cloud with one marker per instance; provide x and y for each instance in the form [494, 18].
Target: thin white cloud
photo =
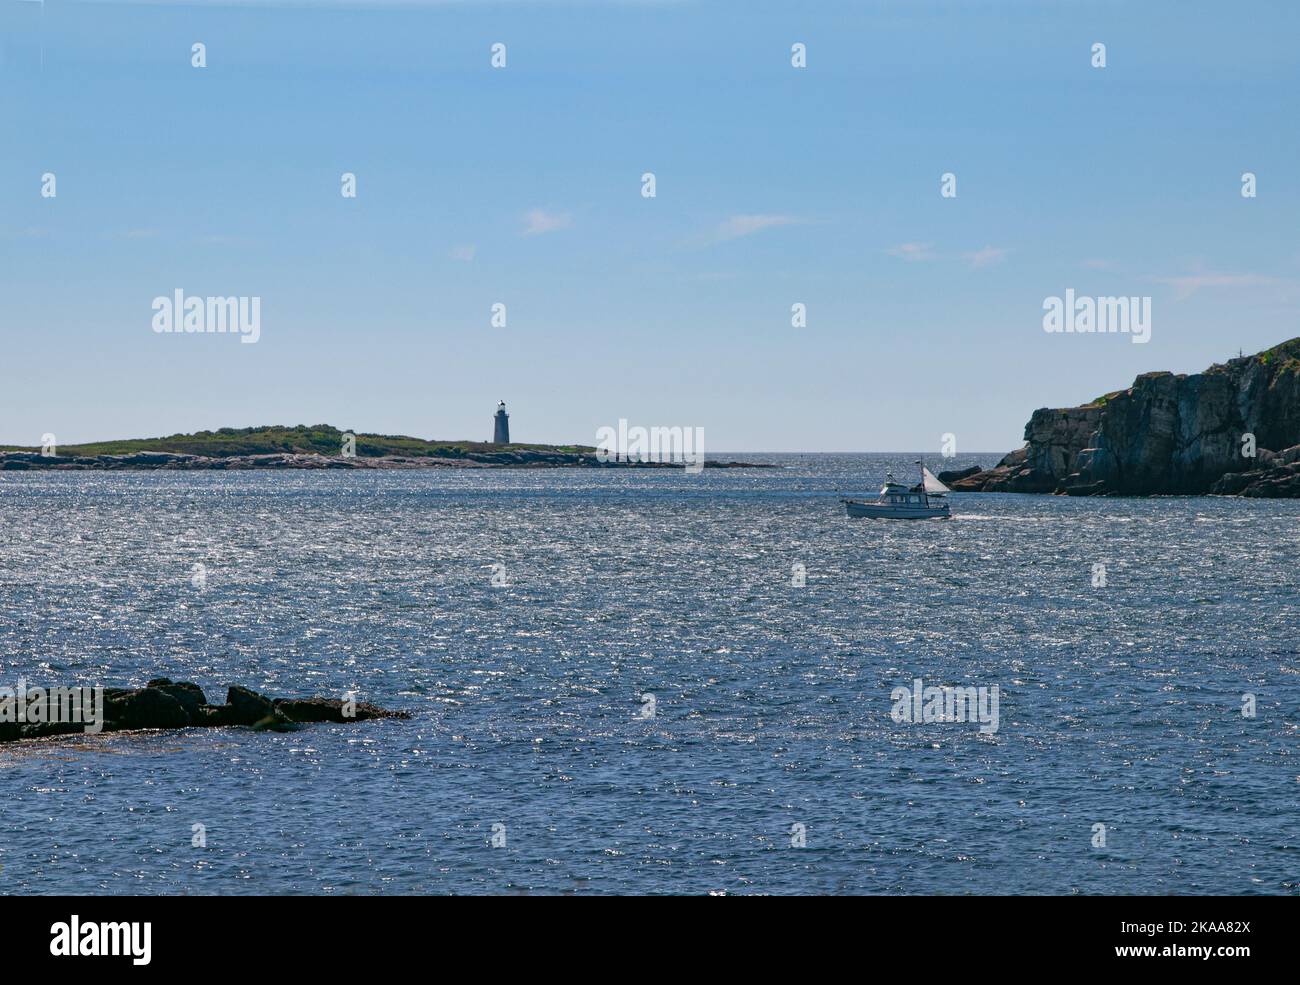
[736, 226]
[1188, 284]
[538, 221]
[912, 252]
[987, 257]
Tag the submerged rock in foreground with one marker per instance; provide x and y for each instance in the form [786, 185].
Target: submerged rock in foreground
[167, 704]
[1231, 430]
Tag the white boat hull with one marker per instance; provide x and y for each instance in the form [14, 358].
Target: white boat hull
[897, 511]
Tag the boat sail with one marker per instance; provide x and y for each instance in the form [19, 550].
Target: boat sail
[897, 501]
[932, 485]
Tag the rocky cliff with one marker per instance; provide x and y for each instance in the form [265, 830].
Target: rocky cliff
[1233, 429]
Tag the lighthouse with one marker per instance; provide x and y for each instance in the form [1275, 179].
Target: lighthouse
[501, 426]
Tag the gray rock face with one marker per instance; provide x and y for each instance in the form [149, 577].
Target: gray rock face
[327, 710]
[148, 707]
[188, 696]
[1278, 479]
[247, 707]
[954, 475]
[1167, 434]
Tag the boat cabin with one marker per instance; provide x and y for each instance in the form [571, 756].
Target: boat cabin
[898, 493]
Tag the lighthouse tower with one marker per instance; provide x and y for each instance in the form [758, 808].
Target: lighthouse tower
[501, 426]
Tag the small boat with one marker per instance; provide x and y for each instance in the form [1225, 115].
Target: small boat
[924, 501]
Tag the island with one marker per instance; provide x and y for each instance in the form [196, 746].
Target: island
[318, 446]
[1232, 430]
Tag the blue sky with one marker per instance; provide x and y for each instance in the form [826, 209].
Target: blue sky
[521, 185]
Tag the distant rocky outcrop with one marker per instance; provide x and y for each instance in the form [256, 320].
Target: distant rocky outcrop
[1168, 434]
[956, 475]
[167, 704]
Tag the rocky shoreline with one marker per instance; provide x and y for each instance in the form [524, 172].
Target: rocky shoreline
[167, 704]
[12, 461]
[1233, 430]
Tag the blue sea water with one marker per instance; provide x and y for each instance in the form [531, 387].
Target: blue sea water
[1120, 704]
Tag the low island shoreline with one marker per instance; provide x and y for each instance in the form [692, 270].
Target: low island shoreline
[164, 462]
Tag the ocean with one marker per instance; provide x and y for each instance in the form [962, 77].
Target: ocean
[642, 681]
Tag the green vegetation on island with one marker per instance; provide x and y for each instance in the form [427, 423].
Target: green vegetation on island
[316, 439]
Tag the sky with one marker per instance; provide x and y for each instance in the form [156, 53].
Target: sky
[522, 186]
